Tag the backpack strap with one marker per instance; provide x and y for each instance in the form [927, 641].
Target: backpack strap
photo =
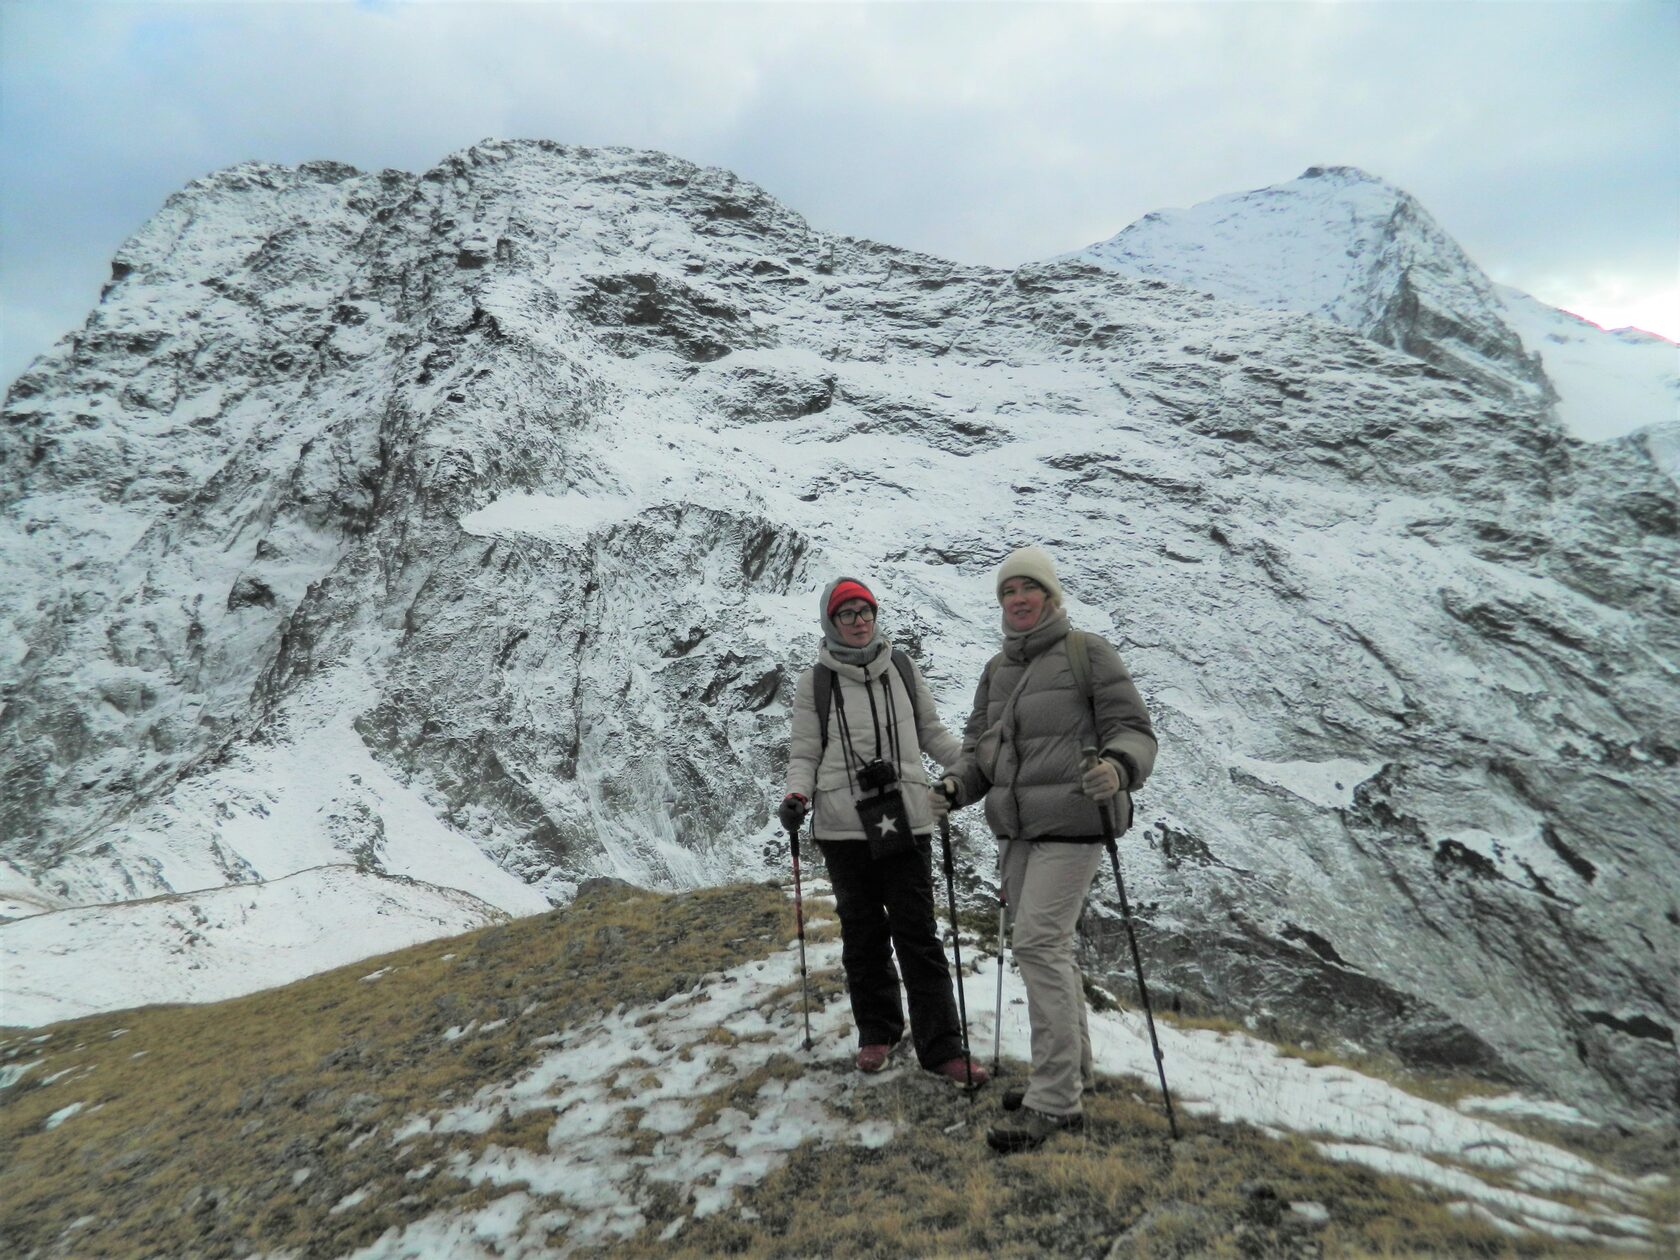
[823, 681]
[1079, 661]
[1079, 664]
[907, 671]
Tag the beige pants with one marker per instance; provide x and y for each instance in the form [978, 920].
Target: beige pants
[1045, 883]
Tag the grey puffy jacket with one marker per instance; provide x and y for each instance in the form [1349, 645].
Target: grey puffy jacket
[1032, 783]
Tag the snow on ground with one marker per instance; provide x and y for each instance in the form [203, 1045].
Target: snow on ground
[300, 856]
[626, 1095]
[559, 518]
[218, 944]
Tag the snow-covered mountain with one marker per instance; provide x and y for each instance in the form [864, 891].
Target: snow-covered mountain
[1346, 246]
[465, 529]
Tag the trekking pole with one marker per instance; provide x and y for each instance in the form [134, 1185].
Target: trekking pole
[1090, 756]
[997, 1017]
[956, 945]
[799, 917]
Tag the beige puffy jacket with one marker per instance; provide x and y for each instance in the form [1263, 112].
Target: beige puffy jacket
[1032, 782]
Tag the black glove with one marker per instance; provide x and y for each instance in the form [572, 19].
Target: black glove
[792, 812]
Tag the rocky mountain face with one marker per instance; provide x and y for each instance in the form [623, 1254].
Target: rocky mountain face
[466, 528]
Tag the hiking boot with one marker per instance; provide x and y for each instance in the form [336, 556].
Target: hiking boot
[1013, 1097]
[874, 1058]
[1028, 1130]
[958, 1070]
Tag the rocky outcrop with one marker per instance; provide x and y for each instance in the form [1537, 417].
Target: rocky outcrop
[384, 518]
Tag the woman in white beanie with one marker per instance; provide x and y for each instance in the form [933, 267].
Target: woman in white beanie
[1050, 693]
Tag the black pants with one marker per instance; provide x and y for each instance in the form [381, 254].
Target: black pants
[886, 908]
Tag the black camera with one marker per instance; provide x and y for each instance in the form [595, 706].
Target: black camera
[877, 776]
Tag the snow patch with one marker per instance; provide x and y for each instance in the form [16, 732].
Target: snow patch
[1518, 1107]
[208, 946]
[639, 1070]
[565, 518]
[1327, 784]
[62, 1114]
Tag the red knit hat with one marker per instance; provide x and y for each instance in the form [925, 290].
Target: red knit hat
[849, 588]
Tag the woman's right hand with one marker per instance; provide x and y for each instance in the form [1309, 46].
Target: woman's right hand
[792, 812]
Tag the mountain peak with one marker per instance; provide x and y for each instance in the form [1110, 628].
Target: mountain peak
[1346, 175]
[1345, 245]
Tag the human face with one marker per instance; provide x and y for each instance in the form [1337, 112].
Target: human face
[1023, 603]
[861, 630]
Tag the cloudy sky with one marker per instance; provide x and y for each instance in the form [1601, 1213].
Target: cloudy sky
[1544, 136]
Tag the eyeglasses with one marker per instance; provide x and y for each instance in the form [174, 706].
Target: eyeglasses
[851, 616]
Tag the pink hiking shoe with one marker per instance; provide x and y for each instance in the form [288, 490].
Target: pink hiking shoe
[874, 1058]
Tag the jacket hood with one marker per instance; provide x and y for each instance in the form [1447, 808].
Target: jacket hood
[835, 645]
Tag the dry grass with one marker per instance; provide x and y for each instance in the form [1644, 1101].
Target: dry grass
[1122, 1189]
[197, 1118]
[229, 1129]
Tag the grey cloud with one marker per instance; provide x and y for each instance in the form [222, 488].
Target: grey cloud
[990, 133]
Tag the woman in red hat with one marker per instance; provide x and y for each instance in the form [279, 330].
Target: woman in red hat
[861, 721]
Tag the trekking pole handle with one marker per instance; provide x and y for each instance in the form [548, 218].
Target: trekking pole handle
[1087, 758]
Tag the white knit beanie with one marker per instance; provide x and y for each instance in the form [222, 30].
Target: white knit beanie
[1034, 563]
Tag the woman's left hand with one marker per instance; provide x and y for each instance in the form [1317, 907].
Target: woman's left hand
[1101, 780]
[942, 796]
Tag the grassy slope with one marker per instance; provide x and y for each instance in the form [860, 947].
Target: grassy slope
[199, 1120]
